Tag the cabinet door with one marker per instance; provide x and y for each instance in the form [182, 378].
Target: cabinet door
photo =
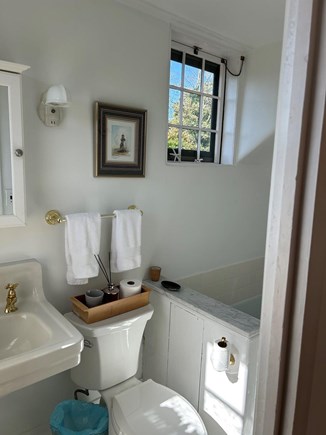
[156, 338]
[226, 402]
[185, 353]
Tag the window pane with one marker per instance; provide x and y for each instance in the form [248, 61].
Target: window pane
[175, 73]
[205, 141]
[209, 113]
[190, 109]
[207, 146]
[192, 79]
[189, 139]
[208, 82]
[173, 137]
[214, 69]
[174, 106]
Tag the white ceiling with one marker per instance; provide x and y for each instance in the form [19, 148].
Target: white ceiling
[253, 23]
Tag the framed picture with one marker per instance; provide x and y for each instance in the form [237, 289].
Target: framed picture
[120, 135]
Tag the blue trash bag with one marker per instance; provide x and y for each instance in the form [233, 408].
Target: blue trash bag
[74, 417]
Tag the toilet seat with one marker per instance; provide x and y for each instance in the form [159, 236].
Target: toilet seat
[153, 409]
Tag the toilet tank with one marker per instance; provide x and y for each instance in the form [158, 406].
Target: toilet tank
[111, 348]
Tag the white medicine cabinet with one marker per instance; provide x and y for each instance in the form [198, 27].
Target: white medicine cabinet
[12, 180]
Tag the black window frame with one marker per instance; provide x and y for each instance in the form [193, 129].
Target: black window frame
[213, 155]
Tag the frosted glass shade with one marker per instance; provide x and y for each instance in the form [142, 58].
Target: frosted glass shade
[56, 95]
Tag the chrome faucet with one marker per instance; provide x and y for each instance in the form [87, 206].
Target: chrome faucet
[11, 298]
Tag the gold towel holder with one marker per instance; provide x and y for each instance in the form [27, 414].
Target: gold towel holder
[53, 217]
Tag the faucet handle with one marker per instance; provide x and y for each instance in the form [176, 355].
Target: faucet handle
[11, 298]
[12, 286]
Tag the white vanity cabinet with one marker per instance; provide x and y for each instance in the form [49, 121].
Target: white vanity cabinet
[177, 353]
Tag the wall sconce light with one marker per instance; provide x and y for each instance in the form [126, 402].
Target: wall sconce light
[50, 108]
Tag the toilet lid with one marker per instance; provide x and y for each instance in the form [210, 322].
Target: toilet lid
[152, 409]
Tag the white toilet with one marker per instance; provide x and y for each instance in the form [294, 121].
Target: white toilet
[109, 363]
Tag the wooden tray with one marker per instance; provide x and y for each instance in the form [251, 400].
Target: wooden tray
[109, 309]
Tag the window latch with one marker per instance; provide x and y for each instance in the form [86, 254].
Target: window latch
[177, 156]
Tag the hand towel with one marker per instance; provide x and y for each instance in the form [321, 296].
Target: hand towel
[82, 241]
[126, 240]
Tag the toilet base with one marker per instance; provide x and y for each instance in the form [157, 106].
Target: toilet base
[108, 394]
[131, 408]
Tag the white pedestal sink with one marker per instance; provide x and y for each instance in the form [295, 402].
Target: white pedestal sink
[36, 341]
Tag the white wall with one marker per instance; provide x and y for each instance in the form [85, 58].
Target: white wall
[258, 98]
[195, 218]
[97, 50]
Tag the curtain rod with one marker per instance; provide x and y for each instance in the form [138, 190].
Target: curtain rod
[223, 59]
[197, 49]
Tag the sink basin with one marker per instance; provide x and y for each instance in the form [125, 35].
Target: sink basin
[21, 332]
[36, 341]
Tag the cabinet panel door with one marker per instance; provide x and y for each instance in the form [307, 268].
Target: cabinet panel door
[226, 402]
[156, 337]
[185, 353]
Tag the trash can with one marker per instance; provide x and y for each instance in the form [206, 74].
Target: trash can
[74, 417]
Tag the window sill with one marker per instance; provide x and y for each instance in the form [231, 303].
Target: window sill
[201, 164]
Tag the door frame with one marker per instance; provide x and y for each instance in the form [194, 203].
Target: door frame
[294, 277]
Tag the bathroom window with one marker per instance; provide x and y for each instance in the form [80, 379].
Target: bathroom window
[196, 104]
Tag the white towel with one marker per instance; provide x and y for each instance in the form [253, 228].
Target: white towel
[126, 240]
[82, 241]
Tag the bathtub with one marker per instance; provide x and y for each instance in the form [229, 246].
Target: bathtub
[238, 285]
[251, 306]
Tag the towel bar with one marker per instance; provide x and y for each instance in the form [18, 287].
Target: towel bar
[53, 217]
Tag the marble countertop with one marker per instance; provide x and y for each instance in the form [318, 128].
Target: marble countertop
[238, 321]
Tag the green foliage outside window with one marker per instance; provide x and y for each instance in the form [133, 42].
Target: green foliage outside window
[190, 115]
[196, 89]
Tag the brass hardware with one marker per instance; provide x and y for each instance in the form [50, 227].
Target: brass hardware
[11, 298]
[53, 217]
[223, 343]
[134, 207]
